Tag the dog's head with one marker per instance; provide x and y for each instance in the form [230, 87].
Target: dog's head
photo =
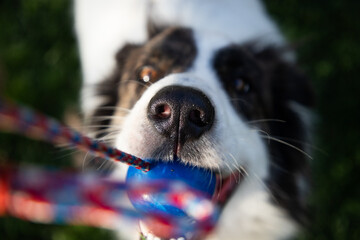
[233, 109]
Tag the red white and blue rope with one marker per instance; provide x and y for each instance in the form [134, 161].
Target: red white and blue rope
[24, 121]
[53, 196]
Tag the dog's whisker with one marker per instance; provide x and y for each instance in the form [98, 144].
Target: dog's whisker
[211, 175]
[104, 161]
[108, 139]
[235, 175]
[84, 161]
[106, 167]
[313, 147]
[289, 139]
[243, 171]
[228, 166]
[110, 135]
[109, 129]
[114, 108]
[264, 185]
[220, 182]
[90, 127]
[275, 139]
[234, 164]
[241, 100]
[70, 153]
[63, 147]
[96, 126]
[136, 82]
[98, 164]
[99, 118]
[287, 144]
[277, 166]
[238, 167]
[266, 120]
[103, 131]
[264, 132]
[100, 132]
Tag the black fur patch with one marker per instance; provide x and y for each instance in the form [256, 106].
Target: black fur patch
[272, 85]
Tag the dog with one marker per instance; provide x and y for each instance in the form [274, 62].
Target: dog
[212, 83]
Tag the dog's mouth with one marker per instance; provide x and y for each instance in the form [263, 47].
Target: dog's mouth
[225, 187]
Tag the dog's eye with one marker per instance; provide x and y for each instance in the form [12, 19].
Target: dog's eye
[147, 74]
[242, 86]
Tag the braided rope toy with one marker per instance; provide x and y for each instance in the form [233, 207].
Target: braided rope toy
[24, 121]
[88, 199]
[52, 196]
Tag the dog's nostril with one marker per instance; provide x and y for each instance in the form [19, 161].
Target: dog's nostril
[197, 117]
[162, 111]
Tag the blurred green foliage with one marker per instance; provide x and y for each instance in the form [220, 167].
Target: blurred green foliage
[39, 67]
[329, 33]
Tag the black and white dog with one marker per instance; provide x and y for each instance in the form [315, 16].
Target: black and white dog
[213, 83]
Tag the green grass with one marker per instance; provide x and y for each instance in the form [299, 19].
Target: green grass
[39, 67]
[330, 54]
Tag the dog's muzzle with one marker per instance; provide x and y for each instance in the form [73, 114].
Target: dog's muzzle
[182, 115]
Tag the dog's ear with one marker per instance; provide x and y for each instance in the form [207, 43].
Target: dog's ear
[291, 97]
[290, 84]
[153, 29]
[122, 56]
[107, 90]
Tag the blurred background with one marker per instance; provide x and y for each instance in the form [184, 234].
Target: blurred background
[39, 67]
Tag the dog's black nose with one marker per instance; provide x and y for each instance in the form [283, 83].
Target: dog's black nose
[181, 113]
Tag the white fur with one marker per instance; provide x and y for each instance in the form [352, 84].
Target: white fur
[250, 214]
